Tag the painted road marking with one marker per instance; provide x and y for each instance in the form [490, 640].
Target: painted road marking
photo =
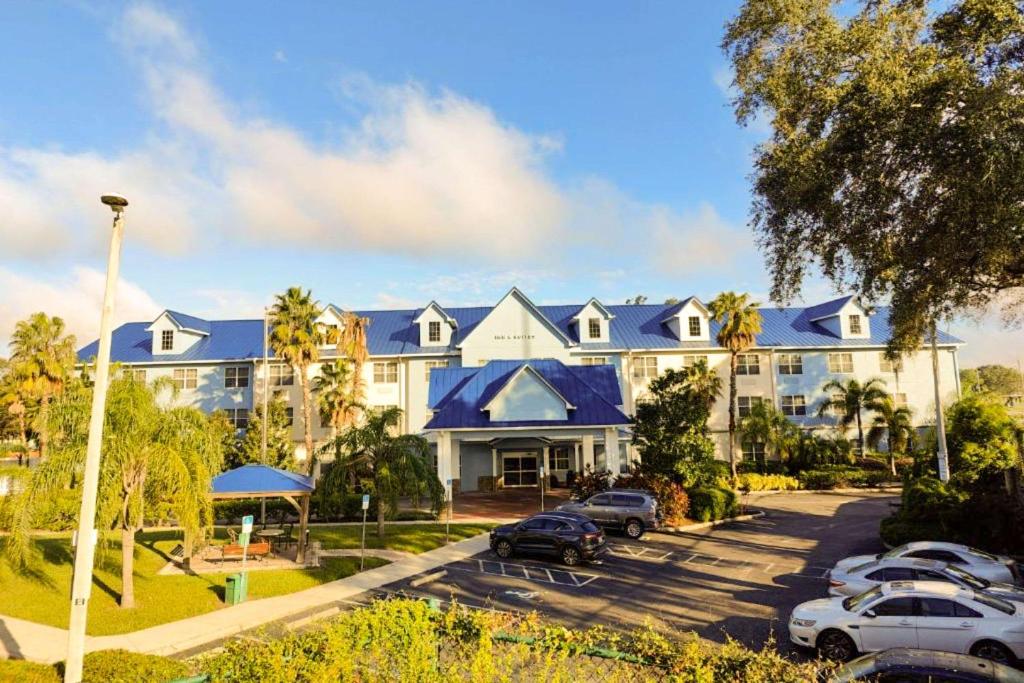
[558, 577]
[633, 552]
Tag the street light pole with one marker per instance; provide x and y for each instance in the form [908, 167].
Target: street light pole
[263, 422]
[940, 420]
[85, 546]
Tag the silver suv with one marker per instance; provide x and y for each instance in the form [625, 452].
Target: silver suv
[631, 510]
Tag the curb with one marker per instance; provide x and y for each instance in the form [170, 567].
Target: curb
[895, 488]
[706, 525]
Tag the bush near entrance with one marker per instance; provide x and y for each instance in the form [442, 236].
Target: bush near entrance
[708, 503]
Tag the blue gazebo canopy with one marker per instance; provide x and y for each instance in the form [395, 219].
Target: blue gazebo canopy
[261, 481]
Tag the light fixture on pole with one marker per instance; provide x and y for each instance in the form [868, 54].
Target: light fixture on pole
[85, 543]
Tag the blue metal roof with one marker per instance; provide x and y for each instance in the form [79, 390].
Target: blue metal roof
[592, 389]
[393, 333]
[189, 322]
[261, 479]
[827, 309]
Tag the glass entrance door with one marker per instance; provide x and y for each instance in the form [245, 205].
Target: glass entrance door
[520, 469]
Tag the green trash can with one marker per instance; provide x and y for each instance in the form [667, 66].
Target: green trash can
[233, 589]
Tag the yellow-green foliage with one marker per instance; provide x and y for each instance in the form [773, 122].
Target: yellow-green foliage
[752, 481]
[19, 671]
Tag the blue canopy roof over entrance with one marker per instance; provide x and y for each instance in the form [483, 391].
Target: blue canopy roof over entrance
[260, 481]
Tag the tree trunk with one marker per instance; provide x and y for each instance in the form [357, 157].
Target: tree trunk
[307, 419]
[860, 434]
[127, 568]
[44, 428]
[733, 362]
[380, 518]
[892, 459]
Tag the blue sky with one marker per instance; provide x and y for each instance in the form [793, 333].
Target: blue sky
[381, 154]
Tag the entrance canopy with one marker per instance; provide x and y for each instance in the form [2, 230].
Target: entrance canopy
[261, 481]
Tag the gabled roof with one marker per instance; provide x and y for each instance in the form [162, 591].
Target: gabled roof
[437, 307]
[188, 323]
[828, 309]
[525, 368]
[261, 480]
[593, 390]
[597, 304]
[674, 309]
[525, 301]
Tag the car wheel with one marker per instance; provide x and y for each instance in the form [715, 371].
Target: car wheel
[634, 528]
[571, 555]
[503, 548]
[836, 645]
[989, 649]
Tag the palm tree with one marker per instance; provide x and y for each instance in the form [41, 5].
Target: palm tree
[152, 456]
[740, 322]
[893, 423]
[767, 425]
[296, 337]
[352, 345]
[395, 464]
[848, 400]
[42, 359]
[704, 383]
[333, 388]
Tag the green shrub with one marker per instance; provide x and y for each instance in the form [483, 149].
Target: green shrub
[708, 503]
[841, 477]
[122, 666]
[232, 511]
[57, 511]
[766, 482]
[673, 503]
[20, 671]
[590, 482]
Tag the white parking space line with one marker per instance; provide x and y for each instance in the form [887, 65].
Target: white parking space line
[557, 577]
[632, 552]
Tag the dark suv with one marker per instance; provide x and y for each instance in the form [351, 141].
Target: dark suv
[631, 510]
[570, 537]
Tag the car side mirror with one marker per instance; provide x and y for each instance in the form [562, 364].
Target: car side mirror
[870, 614]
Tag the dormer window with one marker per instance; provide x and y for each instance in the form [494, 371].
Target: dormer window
[594, 328]
[694, 326]
[434, 331]
[855, 327]
[167, 340]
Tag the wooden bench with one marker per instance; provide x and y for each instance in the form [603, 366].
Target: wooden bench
[233, 551]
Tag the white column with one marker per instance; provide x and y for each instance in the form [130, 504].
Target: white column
[547, 466]
[577, 460]
[457, 462]
[611, 449]
[588, 451]
[444, 457]
[494, 467]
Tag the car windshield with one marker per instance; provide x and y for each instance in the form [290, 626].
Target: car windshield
[589, 527]
[970, 579]
[895, 552]
[863, 567]
[852, 604]
[995, 603]
[981, 553]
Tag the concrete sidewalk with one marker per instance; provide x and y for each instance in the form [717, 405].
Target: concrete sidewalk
[28, 640]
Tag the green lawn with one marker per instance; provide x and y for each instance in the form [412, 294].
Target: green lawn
[41, 595]
[411, 538]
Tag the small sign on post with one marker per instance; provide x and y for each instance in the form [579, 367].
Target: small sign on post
[448, 500]
[362, 543]
[243, 540]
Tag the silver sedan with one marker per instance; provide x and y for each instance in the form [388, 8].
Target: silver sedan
[977, 562]
[857, 579]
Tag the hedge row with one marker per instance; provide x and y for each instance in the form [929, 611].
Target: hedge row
[842, 477]
[708, 503]
[105, 666]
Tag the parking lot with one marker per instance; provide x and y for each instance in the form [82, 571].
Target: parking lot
[740, 579]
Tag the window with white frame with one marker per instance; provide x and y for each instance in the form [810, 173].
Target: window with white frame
[645, 367]
[753, 451]
[238, 417]
[281, 375]
[434, 331]
[791, 364]
[186, 378]
[841, 363]
[794, 405]
[236, 377]
[838, 405]
[289, 414]
[167, 340]
[135, 374]
[855, 327]
[748, 364]
[594, 328]
[899, 400]
[690, 360]
[431, 364]
[385, 372]
[559, 458]
[744, 404]
[888, 365]
[594, 360]
[694, 326]
[331, 334]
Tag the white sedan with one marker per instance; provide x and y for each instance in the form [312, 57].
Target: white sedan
[859, 578]
[929, 615]
[977, 562]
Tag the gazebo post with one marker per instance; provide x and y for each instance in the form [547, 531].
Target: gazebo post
[300, 554]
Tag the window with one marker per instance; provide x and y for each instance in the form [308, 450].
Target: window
[935, 554]
[855, 327]
[559, 458]
[694, 326]
[385, 372]
[594, 360]
[238, 417]
[934, 607]
[895, 607]
[690, 361]
[186, 378]
[135, 375]
[794, 405]
[892, 574]
[431, 364]
[748, 364]
[167, 340]
[434, 331]
[753, 450]
[888, 365]
[289, 413]
[745, 403]
[840, 362]
[281, 375]
[899, 400]
[594, 328]
[627, 501]
[791, 364]
[603, 499]
[236, 378]
[331, 334]
[645, 367]
[838, 408]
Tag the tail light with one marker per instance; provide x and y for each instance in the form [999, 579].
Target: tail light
[592, 536]
[835, 583]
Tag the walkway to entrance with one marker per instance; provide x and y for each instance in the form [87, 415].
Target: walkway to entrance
[506, 504]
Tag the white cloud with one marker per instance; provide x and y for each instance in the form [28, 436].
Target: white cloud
[77, 298]
[280, 56]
